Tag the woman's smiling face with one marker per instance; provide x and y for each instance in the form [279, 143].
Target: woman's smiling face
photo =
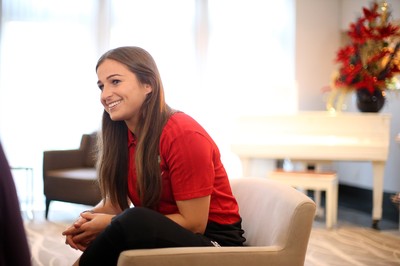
[122, 95]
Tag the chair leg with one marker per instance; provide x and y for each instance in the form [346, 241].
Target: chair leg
[46, 214]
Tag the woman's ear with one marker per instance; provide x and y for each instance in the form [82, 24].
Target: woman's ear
[148, 88]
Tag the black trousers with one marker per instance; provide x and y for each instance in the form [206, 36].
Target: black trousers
[138, 228]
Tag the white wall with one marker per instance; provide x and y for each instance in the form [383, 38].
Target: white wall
[319, 29]
[317, 39]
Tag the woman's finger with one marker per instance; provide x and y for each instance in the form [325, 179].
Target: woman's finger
[79, 222]
[69, 241]
[84, 237]
[72, 231]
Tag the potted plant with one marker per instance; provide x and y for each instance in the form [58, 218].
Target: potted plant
[368, 65]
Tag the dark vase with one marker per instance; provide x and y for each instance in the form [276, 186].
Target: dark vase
[370, 102]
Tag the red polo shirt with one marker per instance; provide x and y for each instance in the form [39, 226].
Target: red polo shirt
[191, 168]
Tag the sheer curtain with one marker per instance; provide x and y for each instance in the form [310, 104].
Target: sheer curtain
[250, 65]
[48, 96]
[218, 59]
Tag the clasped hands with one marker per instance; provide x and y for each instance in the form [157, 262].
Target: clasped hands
[85, 229]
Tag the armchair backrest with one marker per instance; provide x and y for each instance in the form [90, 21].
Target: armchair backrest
[273, 213]
[89, 148]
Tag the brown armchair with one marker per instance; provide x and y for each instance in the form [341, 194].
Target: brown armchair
[70, 175]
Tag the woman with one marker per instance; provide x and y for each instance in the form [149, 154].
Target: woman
[160, 161]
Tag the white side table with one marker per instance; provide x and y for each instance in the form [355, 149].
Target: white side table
[315, 181]
[28, 200]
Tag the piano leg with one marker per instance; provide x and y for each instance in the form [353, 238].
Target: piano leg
[375, 224]
[377, 193]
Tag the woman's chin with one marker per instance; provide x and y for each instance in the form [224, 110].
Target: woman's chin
[115, 117]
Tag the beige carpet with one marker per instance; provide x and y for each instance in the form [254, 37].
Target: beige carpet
[353, 246]
[344, 245]
[48, 246]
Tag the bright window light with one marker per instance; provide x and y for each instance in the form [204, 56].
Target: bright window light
[218, 60]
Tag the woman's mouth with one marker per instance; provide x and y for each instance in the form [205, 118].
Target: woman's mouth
[113, 104]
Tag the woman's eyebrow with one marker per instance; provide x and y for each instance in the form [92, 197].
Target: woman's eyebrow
[109, 77]
[112, 75]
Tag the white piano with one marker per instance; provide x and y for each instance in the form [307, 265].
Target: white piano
[317, 137]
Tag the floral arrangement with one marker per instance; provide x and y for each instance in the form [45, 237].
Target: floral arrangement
[372, 59]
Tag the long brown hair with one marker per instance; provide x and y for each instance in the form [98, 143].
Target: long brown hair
[112, 163]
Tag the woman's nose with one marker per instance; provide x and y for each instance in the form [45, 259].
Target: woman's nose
[105, 93]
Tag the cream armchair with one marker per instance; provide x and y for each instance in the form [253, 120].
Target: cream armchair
[277, 220]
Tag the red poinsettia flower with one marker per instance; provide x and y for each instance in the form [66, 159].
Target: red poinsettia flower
[371, 14]
[396, 68]
[387, 31]
[368, 82]
[344, 54]
[359, 33]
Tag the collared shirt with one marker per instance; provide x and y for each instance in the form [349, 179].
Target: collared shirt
[191, 168]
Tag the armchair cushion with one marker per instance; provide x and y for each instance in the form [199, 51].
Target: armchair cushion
[73, 185]
[204, 256]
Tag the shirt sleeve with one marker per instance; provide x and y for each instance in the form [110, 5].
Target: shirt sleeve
[191, 168]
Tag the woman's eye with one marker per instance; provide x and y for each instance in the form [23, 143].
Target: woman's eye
[115, 81]
[101, 87]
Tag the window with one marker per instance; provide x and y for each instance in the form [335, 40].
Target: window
[218, 59]
[47, 85]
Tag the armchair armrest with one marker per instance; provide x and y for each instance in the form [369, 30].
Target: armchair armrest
[62, 159]
[210, 256]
